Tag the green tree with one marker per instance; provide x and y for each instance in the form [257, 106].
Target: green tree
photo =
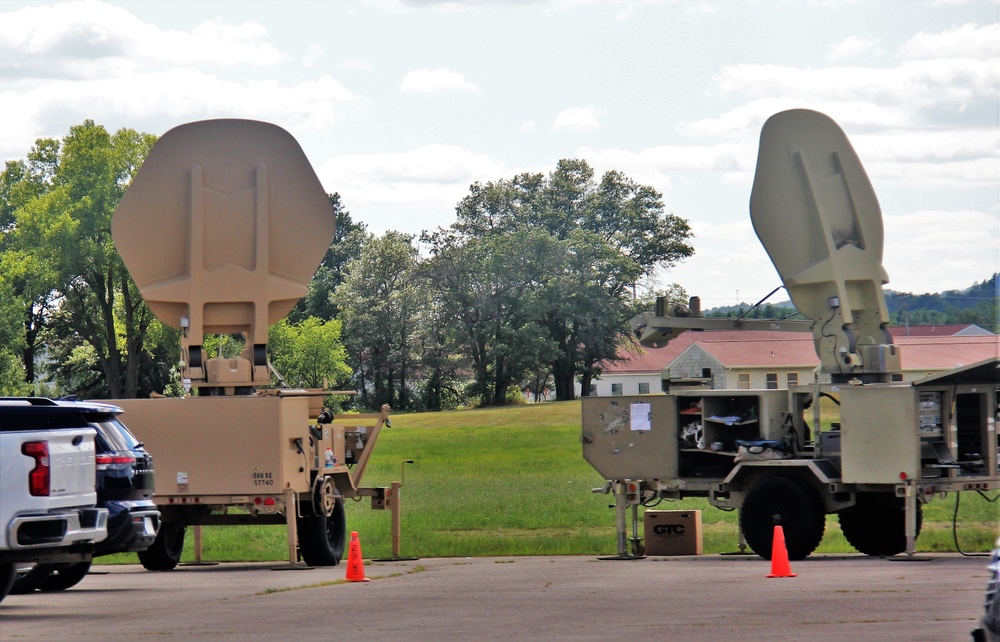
[12, 375]
[59, 208]
[379, 303]
[345, 247]
[608, 236]
[309, 354]
[440, 357]
[29, 272]
[487, 289]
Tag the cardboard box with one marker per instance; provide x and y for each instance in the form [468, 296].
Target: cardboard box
[673, 532]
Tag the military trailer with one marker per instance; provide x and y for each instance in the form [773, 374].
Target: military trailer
[222, 229]
[860, 442]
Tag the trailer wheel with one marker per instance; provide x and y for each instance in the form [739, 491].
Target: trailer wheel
[324, 496]
[321, 538]
[787, 502]
[64, 576]
[165, 552]
[29, 578]
[876, 524]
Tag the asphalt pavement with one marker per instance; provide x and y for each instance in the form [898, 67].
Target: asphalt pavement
[936, 597]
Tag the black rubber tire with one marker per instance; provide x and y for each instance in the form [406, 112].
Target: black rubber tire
[787, 502]
[165, 552]
[8, 573]
[194, 356]
[65, 576]
[876, 524]
[322, 538]
[30, 580]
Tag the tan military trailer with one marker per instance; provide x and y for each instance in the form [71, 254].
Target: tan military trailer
[860, 442]
[221, 229]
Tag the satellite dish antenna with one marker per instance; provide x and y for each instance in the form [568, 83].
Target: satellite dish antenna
[816, 213]
[222, 228]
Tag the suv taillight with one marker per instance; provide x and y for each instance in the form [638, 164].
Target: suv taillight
[104, 461]
[38, 478]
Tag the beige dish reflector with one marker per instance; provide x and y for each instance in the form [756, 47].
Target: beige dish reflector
[223, 227]
[816, 213]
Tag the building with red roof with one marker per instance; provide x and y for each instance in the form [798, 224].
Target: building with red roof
[768, 359]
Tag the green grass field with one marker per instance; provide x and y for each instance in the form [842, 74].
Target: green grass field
[513, 481]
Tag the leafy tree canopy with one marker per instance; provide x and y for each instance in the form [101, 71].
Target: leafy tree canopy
[556, 257]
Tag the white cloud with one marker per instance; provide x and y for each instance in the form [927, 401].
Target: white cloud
[855, 48]
[92, 39]
[968, 41]
[937, 250]
[354, 64]
[313, 53]
[175, 95]
[939, 82]
[577, 119]
[925, 251]
[659, 165]
[928, 121]
[435, 173]
[729, 263]
[891, 144]
[441, 80]
[933, 158]
[527, 126]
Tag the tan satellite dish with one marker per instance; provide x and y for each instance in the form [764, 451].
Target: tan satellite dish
[222, 228]
[817, 215]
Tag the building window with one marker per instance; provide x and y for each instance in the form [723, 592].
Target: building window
[616, 389]
[792, 379]
[771, 381]
[743, 381]
[643, 388]
[897, 376]
[706, 373]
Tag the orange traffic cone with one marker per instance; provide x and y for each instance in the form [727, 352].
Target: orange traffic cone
[779, 556]
[355, 563]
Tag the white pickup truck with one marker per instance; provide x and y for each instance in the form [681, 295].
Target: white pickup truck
[47, 485]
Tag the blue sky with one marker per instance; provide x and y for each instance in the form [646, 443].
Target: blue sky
[401, 104]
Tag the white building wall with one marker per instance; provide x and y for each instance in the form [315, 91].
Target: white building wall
[758, 377]
[630, 384]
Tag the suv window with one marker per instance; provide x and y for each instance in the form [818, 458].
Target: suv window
[113, 434]
[29, 418]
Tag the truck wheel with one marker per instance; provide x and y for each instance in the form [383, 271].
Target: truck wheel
[321, 538]
[165, 552]
[787, 502]
[65, 576]
[876, 524]
[8, 573]
[28, 579]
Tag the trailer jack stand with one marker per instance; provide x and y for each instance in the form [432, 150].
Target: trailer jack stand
[638, 550]
[292, 531]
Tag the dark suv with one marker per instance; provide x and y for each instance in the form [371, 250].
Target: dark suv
[124, 487]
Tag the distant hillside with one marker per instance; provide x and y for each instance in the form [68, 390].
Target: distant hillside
[978, 304]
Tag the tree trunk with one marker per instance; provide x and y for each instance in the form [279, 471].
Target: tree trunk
[32, 325]
[28, 356]
[136, 324]
[563, 375]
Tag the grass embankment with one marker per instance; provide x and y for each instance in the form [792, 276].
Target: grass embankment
[513, 481]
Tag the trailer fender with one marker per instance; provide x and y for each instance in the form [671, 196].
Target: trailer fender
[820, 474]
